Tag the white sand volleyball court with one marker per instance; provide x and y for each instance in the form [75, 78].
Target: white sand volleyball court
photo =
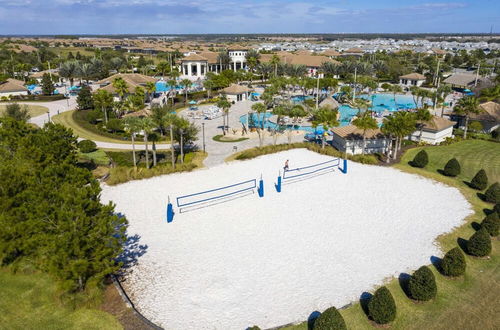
[274, 260]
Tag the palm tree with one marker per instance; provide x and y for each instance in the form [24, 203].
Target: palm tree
[85, 71]
[444, 91]
[260, 108]
[209, 85]
[169, 120]
[395, 89]
[275, 60]
[103, 100]
[153, 137]
[327, 118]
[162, 67]
[120, 86]
[132, 126]
[147, 125]
[186, 83]
[422, 116]
[223, 59]
[465, 107]
[225, 105]
[150, 88]
[172, 84]
[69, 70]
[365, 122]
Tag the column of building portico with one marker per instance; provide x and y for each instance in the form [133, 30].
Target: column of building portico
[189, 73]
[198, 69]
[234, 66]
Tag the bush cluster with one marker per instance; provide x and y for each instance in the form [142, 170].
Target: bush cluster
[382, 308]
[422, 284]
[330, 319]
[421, 159]
[480, 180]
[492, 195]
[452, 168]
[87, 146]
[453, 263]
[492, 224]
[479, 244]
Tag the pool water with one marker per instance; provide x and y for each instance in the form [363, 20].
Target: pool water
[162, 86]
[257, 120]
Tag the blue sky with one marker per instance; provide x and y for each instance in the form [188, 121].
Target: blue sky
[254, 16]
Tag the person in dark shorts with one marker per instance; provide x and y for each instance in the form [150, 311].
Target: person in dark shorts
[286, 166]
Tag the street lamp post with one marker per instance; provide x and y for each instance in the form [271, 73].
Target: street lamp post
[48, 115]
[203, 130]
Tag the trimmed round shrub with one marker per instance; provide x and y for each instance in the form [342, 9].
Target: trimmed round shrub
[492, 224]
[422, 284]
[254, 328]
[496, 208]
[421, 159]
[452, 168]
[87, 146]
[480, 180]
[479, 243]
[382, 308]
[330, 319]
[492, 195]
[453, 263]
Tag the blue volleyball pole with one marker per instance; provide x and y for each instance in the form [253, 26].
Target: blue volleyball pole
[170, 211]
[261, 187]
[278, 186]
[344, 169]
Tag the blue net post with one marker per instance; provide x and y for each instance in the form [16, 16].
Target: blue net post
[278, 186]
[344, 168]
[261, 187]
[170, 211]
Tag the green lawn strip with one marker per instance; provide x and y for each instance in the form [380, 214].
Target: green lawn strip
[221, 138]
[28, 301]
[66, 119]
[470, 301]
[99, 157]
[34, 110]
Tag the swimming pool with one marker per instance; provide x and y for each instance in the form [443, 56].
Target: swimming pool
[257, 120]
[162, 86]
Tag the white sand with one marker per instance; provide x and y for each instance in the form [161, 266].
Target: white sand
[274, 260]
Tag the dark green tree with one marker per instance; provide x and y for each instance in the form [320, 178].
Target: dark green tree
[496, 208]
[422, 284]
[84, 99]
[492, 224]
[479, 244]
[382, 308]
[480, 180]
[453, 263]
[421, 159]
[47, 84]
[50, 213]
[17, 112]
[87, 146]
[452, 168]
[492, 195]
[330, 319]
[114, 125]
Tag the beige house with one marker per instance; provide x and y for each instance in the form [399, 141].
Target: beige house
[349, 139]
[236, 93]
[412, 79]
[196, 65]
[12, 87]
[489, 117]
[133, 81]
[435, 131]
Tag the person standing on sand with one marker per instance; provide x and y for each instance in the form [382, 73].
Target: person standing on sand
[286, 166]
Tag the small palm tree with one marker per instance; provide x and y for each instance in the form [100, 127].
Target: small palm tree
[365, 122]
[186, 83]
[153, 138]
[150, 89]
[147, 125]
[260, 108]
[422, 116]
[132, 126]
[120, 86]
[225, 105]
[465, 107]
[103, 100]
[327, 118]
[275, 61]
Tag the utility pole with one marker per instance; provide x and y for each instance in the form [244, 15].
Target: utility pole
[354, 89]
[172, 153]
[477, 74]
[317, 89]
[203, 129]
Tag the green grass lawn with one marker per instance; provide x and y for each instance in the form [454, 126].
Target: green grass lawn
[470, 302]
[28, 301]
[99, 157]
[34, 110]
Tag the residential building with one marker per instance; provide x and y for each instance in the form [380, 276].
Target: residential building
[434, 131]
[133, 80]
[412, 79]
[236, 93]
[12, 87]
[349, 139]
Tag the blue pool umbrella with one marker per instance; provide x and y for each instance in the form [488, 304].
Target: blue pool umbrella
[192, 102]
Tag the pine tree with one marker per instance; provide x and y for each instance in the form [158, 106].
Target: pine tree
[422, 284]
[330, 319]
[492, 195]
[492, 224]
[496, 208]
[421, 159]
[479, 244]
[480, 180]
[47, 85]
[452, 168]
[453, 263]
[84, 99]
[382, 308]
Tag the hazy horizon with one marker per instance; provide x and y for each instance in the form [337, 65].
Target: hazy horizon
[107, 17]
